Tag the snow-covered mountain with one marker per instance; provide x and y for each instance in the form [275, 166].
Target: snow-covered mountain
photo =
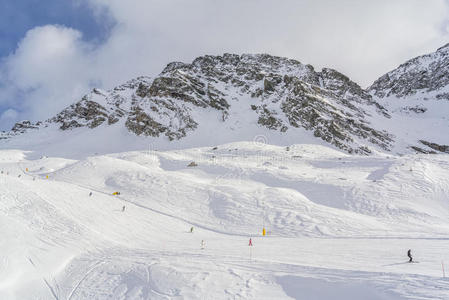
[416, 94]
[229, 98]
[222, 96]
[424, 77]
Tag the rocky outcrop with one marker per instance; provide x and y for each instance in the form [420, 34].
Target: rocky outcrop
[286, 93]
[435, 147]
[24, 126]
[420, 75]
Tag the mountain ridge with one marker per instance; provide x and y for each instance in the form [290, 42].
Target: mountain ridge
[277, 94]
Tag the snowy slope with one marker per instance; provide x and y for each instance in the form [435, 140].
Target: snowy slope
[337, 224]
[231, 145]
[416, 94]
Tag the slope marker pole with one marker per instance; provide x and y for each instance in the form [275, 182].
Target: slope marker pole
[442, 266]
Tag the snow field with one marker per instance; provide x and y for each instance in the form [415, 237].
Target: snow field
[338, 225]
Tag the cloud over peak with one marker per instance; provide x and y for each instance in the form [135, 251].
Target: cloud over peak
[53, 65]
[50, 63]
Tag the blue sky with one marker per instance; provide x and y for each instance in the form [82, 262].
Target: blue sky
[19, 16]
[52, 52]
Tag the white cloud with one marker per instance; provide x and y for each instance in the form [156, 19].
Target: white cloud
[362, 38]
[52, 66]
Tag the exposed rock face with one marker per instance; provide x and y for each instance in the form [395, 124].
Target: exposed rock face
[86, 112]
[20, 128]
[423, 74]
[23, 126]
[416, 109]
[436, 147]
[281, 94]
[286, 94]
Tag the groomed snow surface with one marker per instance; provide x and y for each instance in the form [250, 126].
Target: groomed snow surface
[338, 226]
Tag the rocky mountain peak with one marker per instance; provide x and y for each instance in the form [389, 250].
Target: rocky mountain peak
[419, 76]
[279, 94]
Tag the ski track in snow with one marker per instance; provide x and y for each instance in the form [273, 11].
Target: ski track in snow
[339, 226]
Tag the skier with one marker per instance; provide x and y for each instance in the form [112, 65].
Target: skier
[90, 194]
[250, 242]
[191, 229]
[203, 244]
[409, 254]
[123, 208]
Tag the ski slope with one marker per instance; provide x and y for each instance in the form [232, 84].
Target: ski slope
[339, 226]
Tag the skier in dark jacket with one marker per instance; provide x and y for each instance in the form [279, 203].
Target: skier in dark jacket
[409, 254]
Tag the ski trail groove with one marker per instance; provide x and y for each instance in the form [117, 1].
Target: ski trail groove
[95, 266]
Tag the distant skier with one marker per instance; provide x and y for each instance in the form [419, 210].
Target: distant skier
[250, 242]
[203, 244]
[191, 229]
[123, 208]
[409, 254]
[90, 194]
